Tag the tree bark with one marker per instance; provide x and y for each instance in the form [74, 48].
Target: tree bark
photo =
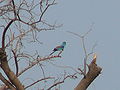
[93, 72]
[11, 76]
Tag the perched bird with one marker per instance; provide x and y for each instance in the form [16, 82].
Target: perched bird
[59, 48]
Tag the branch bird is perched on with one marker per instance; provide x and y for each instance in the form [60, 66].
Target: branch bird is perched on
[59, 48]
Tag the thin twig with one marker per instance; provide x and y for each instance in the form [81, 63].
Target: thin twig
[60, 82]
[43, 12]
[41, 67]
[84, 47]
[14, 9]
[38, 81]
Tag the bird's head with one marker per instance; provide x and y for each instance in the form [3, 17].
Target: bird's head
[64, 43]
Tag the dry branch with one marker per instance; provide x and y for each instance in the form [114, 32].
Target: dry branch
[36, 62]
[38, 81]
[62, 81]
[16, 62]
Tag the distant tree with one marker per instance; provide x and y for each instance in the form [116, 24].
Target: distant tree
[21, 21]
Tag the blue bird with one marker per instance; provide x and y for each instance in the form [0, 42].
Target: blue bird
[59, 48]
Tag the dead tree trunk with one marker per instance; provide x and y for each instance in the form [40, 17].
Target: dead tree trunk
[93, 72]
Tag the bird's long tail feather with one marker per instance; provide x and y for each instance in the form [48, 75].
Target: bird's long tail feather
[52, 52]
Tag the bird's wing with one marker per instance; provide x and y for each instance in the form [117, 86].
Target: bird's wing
[58, 47]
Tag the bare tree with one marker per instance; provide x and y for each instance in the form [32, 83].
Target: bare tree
[21, 21]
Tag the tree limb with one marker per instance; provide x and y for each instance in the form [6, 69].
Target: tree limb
[11, 76]
[4, 33]
[16, 62]
[6, 82]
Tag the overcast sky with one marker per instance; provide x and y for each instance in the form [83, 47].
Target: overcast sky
[77, 16]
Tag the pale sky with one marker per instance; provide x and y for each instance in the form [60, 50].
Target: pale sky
[77, 16]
